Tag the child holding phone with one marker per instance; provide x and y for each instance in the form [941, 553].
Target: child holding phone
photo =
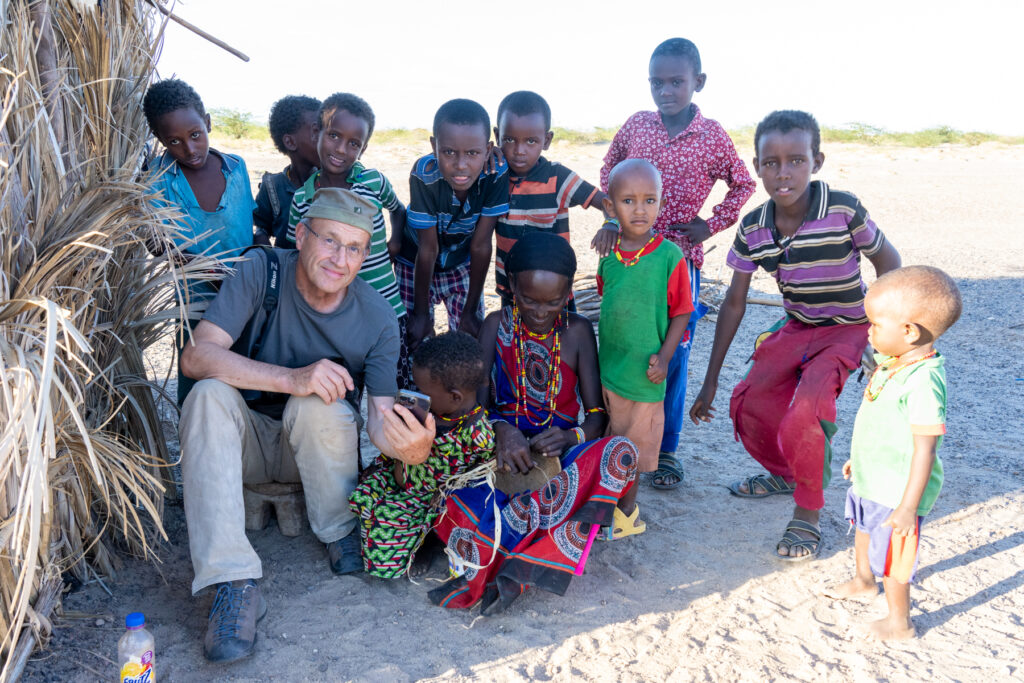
[397, 504]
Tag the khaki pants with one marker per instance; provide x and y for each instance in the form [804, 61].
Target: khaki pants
[224, 444]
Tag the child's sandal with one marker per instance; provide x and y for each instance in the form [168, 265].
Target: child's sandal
[624, 525]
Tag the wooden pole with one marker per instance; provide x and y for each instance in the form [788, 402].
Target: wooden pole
[46, 599]
[198, 31]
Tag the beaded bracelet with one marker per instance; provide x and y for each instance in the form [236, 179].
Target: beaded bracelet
[596, 410]
[580, 436]
[612, 221]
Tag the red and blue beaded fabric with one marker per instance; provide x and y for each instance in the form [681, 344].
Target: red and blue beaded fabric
[542, 534]
[508, 374]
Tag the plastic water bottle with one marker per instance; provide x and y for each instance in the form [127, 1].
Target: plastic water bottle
[135, 651]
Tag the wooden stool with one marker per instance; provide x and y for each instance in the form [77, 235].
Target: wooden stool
[287, 501]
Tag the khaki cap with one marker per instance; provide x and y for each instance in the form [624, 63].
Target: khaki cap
[343, 206]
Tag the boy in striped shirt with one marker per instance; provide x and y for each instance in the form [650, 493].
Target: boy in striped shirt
[810, 239]
[540, 191]
[346, 124]
[444, 252]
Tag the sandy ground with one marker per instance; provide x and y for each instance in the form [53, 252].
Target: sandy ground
[699, 596]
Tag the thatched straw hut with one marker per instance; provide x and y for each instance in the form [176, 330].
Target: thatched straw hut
[81, 453]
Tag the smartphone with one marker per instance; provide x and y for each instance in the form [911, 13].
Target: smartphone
[417, 403]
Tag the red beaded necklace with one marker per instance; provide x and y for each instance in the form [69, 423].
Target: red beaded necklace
[871, 394]
[519, 332]
[636, 258]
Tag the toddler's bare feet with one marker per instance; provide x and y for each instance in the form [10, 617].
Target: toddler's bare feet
[431, 549]
[889, 629]
[854, 588]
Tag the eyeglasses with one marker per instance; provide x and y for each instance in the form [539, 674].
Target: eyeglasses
[335, 247]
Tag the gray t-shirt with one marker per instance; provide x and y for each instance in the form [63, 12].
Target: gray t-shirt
[362, 331]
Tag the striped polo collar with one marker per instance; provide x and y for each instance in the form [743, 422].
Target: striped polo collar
[816, 211]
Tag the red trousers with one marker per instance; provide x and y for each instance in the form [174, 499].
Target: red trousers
[784, 410]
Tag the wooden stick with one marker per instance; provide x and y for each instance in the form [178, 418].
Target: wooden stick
[764, 301]
[46, 600]
[198, 31]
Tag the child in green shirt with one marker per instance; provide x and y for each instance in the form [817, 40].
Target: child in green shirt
[345, 125]
[645, 306]
[893, 462]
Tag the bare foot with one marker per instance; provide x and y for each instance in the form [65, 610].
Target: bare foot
[887, 629]
[854, 588]
[425, 556]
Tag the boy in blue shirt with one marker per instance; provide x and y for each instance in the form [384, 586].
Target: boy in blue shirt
[211, 189]
[293, 128]
[443, 254]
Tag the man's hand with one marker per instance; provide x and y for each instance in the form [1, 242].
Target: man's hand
[657, 368]
[847, 469]
[552, 441]
[512, 449]
[410, 441]
[470, 323]
[604, 240]
[696, 230]
[902, 521]
[702, 410]
[419, 328]
[326, 379]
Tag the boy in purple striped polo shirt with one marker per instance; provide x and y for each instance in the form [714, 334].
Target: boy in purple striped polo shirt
[810, 239]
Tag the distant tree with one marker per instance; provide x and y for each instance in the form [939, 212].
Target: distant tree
[234, 122]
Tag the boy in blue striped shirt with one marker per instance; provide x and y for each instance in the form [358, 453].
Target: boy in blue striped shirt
[444, 252]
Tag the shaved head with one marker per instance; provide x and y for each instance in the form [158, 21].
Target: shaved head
[632, 169]
[925, 296]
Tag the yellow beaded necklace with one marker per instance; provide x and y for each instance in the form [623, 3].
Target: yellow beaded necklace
[871, 394]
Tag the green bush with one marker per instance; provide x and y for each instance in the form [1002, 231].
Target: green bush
[234, 122]
[404, 136]
[864, 134]
[242, 124]
[594, 136]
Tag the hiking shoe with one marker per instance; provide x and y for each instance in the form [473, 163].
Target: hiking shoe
[344, 554]
[231, 631]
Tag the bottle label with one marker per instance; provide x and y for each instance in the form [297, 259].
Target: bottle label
[139, 669]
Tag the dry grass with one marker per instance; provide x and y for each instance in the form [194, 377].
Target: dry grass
[81, 453]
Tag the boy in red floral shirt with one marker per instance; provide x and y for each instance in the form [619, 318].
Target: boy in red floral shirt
[692, 153]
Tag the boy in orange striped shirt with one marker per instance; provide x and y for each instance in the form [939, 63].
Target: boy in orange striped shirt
[540, 191]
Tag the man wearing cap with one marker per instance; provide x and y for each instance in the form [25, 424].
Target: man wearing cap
[329, 330]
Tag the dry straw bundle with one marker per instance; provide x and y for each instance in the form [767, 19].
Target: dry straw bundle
[80, 300]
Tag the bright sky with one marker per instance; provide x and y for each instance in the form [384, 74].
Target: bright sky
[898, 64]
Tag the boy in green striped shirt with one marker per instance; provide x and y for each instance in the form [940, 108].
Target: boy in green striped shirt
[346, 124]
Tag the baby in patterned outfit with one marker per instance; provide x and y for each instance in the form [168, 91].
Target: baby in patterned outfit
[397, 504]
